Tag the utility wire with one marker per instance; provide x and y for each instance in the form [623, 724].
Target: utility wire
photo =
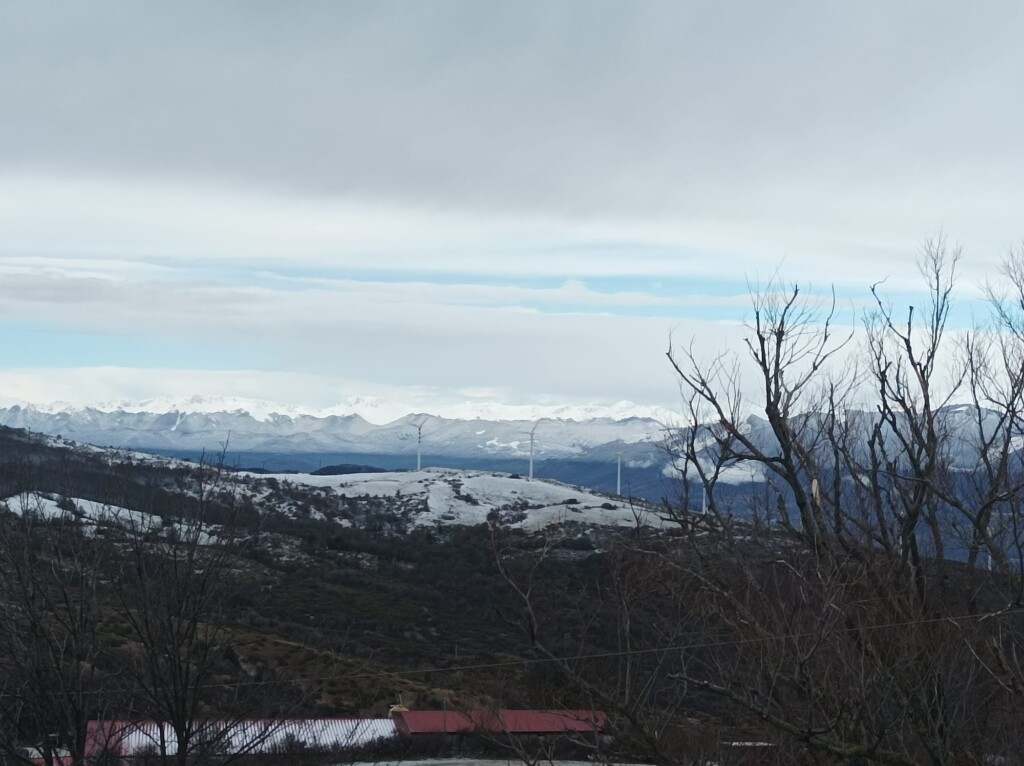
[408, 674]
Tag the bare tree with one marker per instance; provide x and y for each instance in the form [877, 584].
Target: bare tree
[860, 600]
[50, 648]
[172, 592]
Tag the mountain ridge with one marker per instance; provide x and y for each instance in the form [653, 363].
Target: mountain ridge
[374, 410]
[205, 427]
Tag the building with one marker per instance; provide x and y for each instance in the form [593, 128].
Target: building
[423, 732]
[517, 722]
[538, 733]
[135, 740]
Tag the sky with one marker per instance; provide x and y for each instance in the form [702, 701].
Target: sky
[518, 202]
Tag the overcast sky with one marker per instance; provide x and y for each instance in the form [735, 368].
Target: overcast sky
[438, 201]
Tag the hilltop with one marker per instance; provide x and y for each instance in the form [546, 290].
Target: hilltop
[374, 576]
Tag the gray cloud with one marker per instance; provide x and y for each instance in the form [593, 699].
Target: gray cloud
[683, 109]
[359, 333]
[570, 139]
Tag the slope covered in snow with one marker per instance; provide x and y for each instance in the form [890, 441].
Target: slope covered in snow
[446, 497]
[93, 515]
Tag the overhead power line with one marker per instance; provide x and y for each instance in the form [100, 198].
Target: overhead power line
[527, 661]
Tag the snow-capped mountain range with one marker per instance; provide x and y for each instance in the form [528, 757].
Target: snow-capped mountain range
[360, 426]
[370, 408]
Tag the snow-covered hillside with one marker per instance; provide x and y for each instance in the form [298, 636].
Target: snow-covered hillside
[447, 497]
[93, 516]
[429, 498]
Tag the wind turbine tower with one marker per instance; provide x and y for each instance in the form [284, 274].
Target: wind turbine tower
[419, 445]
[532, 432]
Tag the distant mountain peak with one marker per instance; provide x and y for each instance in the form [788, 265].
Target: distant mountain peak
[371, 408]
[361, 425]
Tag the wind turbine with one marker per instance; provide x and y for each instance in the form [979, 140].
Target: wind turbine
[618, 471]
[532, 432]
[419, 445]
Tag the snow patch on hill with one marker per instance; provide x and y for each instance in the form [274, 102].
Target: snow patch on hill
[477, 497]
[92, 515]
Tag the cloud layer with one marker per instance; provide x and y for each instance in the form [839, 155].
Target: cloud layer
[524, 198]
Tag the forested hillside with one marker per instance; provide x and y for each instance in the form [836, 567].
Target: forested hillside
[271, 598]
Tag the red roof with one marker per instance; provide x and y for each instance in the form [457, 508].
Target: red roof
[500, 721]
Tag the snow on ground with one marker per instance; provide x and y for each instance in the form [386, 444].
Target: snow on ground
[92, 515]
[46, 506]
[467, 497]
[115, 453]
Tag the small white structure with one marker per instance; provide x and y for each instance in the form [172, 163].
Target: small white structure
[130, 739]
